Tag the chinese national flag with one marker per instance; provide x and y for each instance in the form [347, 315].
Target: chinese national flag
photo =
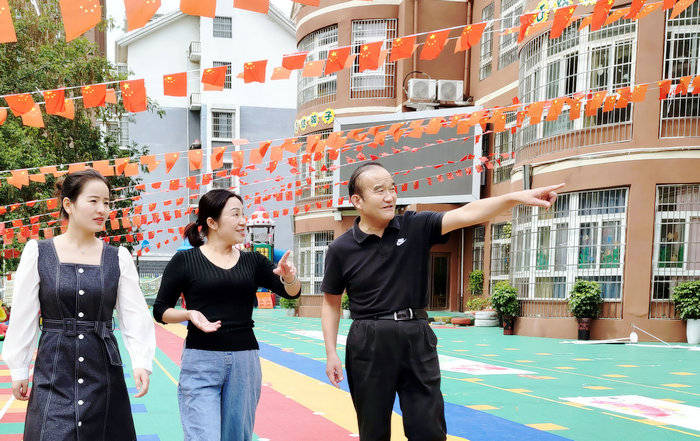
[664, 88]
[294, 61]
[203, 8]
[679, 7]
[175, 84]
[3, 116]
[402, 47]
[94, 95]
[133, 95]
[313, 69]
[217, 157]
[21, 103]
[254, 71]
[471, 34]
[7, 27]
[336, 60]
[55, 101]
[668, 4]
[69, 109]
[555, 109]
[214, 77]
[139, 12]
[280, 73]
[170, 160]
[594, 103]
[525, 21]
[195, 157]
[534, 112]
[600, 13]
[637, 6]
[369, 56]
[261, 6]
[79, 16]
[111, 96]
[561, 20]
[237, 158]
[33, 117]
[434, 44]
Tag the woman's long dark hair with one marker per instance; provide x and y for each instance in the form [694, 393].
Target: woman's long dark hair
[71, 185]
[210, 206]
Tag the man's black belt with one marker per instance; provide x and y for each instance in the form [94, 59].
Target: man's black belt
[399, 316]
[72, 327]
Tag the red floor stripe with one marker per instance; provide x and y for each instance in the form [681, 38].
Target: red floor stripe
[14, 417]
[17, 437]
[170, 344]
[5, 379]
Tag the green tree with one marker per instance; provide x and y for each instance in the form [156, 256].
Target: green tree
[41, 59]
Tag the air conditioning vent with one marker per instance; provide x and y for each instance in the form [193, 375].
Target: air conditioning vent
[421, 89]
[450, 90]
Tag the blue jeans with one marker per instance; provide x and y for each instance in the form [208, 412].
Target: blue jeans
[218, 394]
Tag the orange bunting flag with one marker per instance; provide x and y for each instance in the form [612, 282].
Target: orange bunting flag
[402, 47]
[668, 4]
[594, 103]
[574, 108]
[696, 87]
[280, 73]
[313, 69]
[254, 71]
[679, 7]
[103, 167]
[139, 12]
[336, 60]
[120, 165]
[3, 116]
[276, 153]
[33, 118]
[111, 96]
[433, 45]
[237, 158]
[175, 84]
[499, 121]
[37, 178]
[19, 178]
[133, 95]
[94, 95]
[369, 56]
[20, 103]
[307, 2]
[609, 103]
[55, 101]
[79, 16]
[434, 126]
[202, 8]
[664, 88]
[170, 160]
[639, 93]
[562, 16]
[294, 61]
[648, 9]
[534, 112]
[150, 162]
[471, 34]
[195, 158]
[290, 146]
[131, 169]
[69, 111]
[217, 157]
[7, 27]
[600, 13]
[214, 77]
[634, 9]
[261, 6]
[616, 15]
[525, 21]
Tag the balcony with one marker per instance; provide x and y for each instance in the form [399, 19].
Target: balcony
[195, 51]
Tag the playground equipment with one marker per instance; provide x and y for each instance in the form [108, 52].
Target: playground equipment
[261, 238]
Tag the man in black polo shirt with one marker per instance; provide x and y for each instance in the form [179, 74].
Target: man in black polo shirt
[382, 263]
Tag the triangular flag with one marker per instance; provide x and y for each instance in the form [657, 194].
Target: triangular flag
[433, 45]
[170, 160]
[7, 27]
[55, 101]
[139, 12]
[280, 73]
[525, 21]
[33, 118]
[254, 71]
[562, 16]
[261, 6]
[336, 60]
[195, 158]
[175, 84]
[294, 61]
[133, 95]
[94, 95]
[471, 34]
[217, 157]
[402, 47]
[79, 16]
[369, 56]
[214, 77]
[313, 69]
[202, 8]
[20, 103]
[600, 13]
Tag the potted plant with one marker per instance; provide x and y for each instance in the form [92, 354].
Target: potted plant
[584, 303]
[345, 305]
[505, 301]
[686, 298]
[290, 305]
[476, 282]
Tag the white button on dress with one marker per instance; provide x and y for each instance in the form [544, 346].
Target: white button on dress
[80, 270]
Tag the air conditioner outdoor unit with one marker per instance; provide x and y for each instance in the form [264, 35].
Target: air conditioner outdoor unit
[450, 90]
[421, 89]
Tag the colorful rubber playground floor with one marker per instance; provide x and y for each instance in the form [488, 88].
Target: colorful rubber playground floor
[496, 388]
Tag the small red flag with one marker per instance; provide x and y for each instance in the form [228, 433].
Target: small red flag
[55, 101]
[600, 13]
[139, 12]
[280, 73]
[294, 61]
[562, 16]
[134, 95]
[471, 34]
[33, 118]
[313, 69]
[336, 60]
[525, 21]
[175, 84]
[202, 8]
[214, 77]
[261, 6]
[79, 16]
[20, 103]
[7, 27]
[369, 56]
[254, 71]
[402, 47]
[433, 45]
[94, 95]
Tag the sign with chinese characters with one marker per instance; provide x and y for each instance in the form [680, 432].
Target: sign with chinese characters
[545, 6]
[310, 121]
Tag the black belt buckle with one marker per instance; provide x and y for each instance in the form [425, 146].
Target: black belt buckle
[404, 314]
[70, 326]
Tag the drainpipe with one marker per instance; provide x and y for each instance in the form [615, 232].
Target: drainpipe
[415, 31]
[468, 53]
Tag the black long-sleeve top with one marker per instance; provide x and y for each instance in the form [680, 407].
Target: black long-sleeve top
[220, 294]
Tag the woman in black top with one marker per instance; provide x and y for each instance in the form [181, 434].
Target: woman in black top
[220, 376]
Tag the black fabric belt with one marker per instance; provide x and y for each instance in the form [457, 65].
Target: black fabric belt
[72, 327]
[399, 316]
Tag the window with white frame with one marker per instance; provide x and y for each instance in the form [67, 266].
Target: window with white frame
[478, 248]
[222, 125]
[224, 182]
[681, 59]
[582, 237]
[227, 81]
[676, 238]
[510, 17]
[577, 61]
[222, 27]
[318, 44]
[486, 44]
[316, 171]
[500, 252]
[504, 143]
[310, 255]
[119, 131]
[380, 83]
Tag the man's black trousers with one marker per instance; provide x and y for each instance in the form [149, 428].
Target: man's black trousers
[386, 357]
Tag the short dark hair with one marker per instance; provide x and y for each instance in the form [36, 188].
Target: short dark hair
[210, 206]
[71, 185]
[352, 183]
